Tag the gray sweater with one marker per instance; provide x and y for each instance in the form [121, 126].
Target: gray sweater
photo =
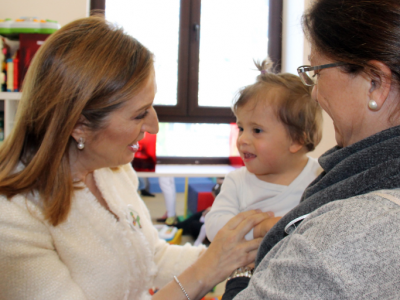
[347, 249]
[366, 166]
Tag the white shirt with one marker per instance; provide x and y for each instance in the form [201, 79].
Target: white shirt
[92, 255]
[242, 191]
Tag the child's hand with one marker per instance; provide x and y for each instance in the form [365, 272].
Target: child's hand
[263, 227]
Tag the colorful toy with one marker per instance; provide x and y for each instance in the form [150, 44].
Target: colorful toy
[166, 232]
[10, 28]
[10, 75]
[2, 61]
[23, 38]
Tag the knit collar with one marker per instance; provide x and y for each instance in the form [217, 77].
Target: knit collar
[336, 155]
[359, 159]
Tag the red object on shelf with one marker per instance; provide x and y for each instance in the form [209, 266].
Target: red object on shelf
[145, 157]
[234, 158]
[29, 45]
[16, 72]
[204, 200]
[236, 161]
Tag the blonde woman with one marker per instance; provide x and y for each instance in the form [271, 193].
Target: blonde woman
[72, 225]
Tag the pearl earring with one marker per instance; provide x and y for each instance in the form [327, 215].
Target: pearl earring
[372, 105]
[80, 144]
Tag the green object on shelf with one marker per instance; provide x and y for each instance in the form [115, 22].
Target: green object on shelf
[11, 28]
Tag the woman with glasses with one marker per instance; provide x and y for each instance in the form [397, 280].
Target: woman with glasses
[343, 240]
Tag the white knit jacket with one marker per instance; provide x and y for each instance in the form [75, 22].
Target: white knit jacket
[91, 255]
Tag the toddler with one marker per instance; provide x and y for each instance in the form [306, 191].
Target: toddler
[278, 124]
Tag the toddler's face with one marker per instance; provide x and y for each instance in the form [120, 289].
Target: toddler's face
[263, 142]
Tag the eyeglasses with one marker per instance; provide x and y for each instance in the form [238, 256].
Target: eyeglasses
[308, 74]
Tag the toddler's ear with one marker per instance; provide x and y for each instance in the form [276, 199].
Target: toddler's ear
[295, 147]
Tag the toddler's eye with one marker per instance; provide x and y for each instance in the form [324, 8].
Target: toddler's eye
[240, 128]
[257, 130]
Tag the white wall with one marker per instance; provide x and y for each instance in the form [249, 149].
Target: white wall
[295, 53]
[63, 11]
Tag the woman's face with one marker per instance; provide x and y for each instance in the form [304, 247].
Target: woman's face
[114, 145]
[345, 99]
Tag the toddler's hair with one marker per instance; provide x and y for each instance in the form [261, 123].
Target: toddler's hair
[301, 115]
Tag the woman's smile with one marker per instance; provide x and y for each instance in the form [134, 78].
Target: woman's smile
[134, 148]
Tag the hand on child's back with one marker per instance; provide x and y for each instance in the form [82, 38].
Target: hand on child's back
[263, 227]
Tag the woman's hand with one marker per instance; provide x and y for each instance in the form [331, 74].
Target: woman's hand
[261, 229]
[228, 251]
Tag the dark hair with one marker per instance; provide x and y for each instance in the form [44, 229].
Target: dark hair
[89, 67]
[356, 32]
[301, 116]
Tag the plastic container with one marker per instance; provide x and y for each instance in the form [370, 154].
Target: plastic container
[166, 232]
[9, 27]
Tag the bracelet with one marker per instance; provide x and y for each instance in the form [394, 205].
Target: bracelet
[242, 272]
[183, 290]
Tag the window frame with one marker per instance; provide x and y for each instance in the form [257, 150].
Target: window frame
[187, 109]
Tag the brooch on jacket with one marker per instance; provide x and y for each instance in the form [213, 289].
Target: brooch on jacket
[133, 218]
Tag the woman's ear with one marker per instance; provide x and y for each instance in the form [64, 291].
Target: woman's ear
[380, 83]
[79, 130]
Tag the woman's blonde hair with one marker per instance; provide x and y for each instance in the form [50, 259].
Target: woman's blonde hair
[87, 68]
[294, 107]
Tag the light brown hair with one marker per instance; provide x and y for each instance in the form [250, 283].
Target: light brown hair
[89, 67]
[301, 116]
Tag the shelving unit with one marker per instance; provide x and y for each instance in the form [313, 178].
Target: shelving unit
[11, 100]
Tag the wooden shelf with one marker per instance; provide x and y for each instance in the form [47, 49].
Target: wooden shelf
[10, 95]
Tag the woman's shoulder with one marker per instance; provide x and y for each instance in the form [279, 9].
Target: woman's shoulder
[380, 200]
[21, 208]
[346, 218]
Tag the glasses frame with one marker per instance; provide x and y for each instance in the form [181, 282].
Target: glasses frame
[302, 71]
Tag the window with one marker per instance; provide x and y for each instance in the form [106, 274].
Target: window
[204, 52]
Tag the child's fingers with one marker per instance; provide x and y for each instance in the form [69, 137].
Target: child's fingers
[249, 223]
[270, 213]
[236, 220]
[261, 229]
